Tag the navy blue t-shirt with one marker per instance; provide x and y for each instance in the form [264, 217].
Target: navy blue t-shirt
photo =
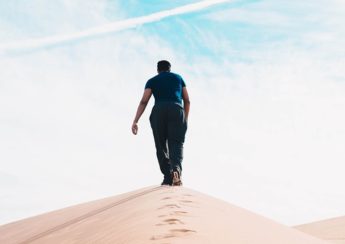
[166, 87]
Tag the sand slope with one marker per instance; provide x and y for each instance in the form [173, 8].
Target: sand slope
[332, 230]
[153, 215]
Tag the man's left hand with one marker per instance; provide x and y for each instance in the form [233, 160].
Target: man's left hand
[134, 128]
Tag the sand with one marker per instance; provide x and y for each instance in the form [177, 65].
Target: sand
[332, 230]
[157, 214]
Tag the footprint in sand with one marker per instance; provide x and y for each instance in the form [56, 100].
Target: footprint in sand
[171, 221]
[166, 198]
[174, 213]
[170, 206]
[173, 233]
[180, 213]
[189, 203]
[186, 201]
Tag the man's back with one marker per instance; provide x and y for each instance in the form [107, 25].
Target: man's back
[166, 87]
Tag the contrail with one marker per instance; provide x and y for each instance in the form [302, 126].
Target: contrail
[108, 28]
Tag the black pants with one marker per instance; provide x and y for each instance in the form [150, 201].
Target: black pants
[169, 127]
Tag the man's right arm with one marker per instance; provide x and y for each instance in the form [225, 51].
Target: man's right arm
[141, 108]
[186, 102]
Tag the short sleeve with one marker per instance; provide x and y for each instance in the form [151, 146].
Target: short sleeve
[183, 83]
[148, 84]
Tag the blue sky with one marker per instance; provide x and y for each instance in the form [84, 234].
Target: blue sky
[266, 80]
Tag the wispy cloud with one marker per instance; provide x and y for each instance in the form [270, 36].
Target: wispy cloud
[108, 28]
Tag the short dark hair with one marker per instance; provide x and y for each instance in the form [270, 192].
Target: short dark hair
[163, 65]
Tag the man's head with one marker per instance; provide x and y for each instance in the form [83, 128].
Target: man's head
[163, 65]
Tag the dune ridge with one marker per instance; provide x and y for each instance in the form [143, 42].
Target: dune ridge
[156, 214]
[332, 230]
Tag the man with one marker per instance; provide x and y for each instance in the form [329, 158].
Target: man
[168, 120]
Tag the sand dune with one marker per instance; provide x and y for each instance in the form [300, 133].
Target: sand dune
[332, 230]
[157, 214]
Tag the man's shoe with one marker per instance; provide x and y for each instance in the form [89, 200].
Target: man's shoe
[176, 178]
[167, 181]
